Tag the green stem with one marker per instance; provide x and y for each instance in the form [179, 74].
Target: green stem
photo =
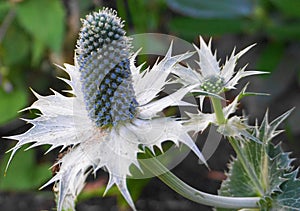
[192, 194]
[221, 120]
[218, 110]
[247, 168]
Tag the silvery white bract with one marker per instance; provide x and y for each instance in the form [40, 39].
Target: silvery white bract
[211, 78]
[234, 126]
[113, 111]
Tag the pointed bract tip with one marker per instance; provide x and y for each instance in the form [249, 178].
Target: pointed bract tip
[38, 96]
[169, 52]
[59, 66]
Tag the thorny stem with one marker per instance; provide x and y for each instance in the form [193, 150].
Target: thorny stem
[191, 193]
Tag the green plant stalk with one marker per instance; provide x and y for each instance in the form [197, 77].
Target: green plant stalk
[247, 168]
[192, 194]
[217, 105]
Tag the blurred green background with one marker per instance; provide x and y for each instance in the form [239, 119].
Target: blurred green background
[35, 34]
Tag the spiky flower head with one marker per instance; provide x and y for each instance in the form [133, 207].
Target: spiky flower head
[102, 54]
[112, 113]
[213, 79]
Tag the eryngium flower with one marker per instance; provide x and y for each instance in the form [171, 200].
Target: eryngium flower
[211, 78]
[113, 112]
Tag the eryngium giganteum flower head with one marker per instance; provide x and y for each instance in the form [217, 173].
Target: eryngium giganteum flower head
[211, 77]
[113, 111]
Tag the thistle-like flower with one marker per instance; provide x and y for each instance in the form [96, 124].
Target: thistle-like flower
[212, 80]
[210, 77]
[113, 110]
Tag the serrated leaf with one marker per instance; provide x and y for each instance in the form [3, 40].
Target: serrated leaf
[44, 20]
[238, 182]
[289, 198]
[270, 167]
[267, 131]
[278, 164]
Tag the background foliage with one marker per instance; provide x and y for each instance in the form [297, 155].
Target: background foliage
[34, 34]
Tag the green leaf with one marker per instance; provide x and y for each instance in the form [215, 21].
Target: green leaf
[191, 28]
[288, 7]
[289, 198]
[271, 167]
[284, 31]
[44, 20]
[23, 173]
[239, 182]
[144, 14]
[11, 103]
[4, 8]
[15, 47]
[213, 8]
[270, 56]
[38, 48]
[267, 131]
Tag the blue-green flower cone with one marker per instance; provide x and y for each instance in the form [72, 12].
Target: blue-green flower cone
[103, 53]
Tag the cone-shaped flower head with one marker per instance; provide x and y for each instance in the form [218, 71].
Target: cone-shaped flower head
[103, 53]
[114, 110]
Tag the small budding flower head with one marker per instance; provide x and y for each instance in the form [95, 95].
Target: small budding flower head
[102, 54]
[213, 84]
